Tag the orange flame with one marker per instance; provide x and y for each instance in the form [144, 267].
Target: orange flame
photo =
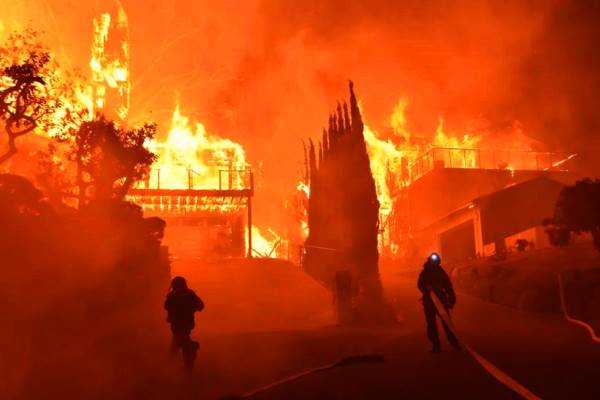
[391, 159]
[190, 156]
[109, 62]
[304, 188]
[263, 247]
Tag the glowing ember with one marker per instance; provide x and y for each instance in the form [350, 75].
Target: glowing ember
[304, 188]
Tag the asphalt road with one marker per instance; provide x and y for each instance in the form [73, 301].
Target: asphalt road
[265, 321]
[544, 353]
[551, 358]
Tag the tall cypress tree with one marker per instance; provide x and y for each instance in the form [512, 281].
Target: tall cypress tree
[343, 208]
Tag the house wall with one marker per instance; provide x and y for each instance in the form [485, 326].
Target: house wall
[494, 200]
[458, 243]
[438, 236]
[517, 208]
[444, 190]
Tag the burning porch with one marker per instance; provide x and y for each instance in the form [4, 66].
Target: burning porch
[214, 221]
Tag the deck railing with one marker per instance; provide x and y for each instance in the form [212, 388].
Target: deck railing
[516, 160]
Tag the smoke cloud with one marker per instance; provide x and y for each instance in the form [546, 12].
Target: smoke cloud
[267, 72]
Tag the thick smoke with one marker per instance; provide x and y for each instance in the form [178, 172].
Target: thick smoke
[556, 84]
[266, 72]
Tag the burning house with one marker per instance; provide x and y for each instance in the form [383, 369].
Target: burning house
[203, 187]
[199, 182]
[465, 196]
[494, 223]
[203, 221]
[469, 203]
[436, 194]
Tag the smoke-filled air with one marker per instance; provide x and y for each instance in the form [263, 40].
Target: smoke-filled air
[277, 199]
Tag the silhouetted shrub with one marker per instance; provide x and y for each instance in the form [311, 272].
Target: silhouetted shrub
[577, 210]
[74, 277]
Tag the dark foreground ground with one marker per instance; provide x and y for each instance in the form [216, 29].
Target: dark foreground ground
[544, 353]
[266, 321]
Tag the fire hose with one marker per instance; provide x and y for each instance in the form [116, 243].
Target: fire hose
[563, 307]
[498, 374]
[352, 360]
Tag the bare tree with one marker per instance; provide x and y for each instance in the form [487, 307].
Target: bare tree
[23, 101]
[26, 101]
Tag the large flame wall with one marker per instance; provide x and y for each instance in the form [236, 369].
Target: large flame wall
[262, 72]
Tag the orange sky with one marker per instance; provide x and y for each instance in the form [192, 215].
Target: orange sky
[267, 72]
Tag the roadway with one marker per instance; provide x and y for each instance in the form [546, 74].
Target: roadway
[544, 353]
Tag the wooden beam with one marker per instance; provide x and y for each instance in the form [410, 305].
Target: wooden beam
[192, 192]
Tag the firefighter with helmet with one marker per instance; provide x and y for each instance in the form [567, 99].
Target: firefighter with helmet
[434, 281]
[181, 304]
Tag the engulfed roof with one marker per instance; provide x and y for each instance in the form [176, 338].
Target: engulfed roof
[517, 207]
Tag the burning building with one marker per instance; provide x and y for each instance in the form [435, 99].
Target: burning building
[200, 183]
[457, 197]
[433, 193]
[493, 223]
[203, 187]
[445, 201]
[411, 173]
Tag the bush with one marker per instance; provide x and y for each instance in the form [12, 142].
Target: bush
[73, 278]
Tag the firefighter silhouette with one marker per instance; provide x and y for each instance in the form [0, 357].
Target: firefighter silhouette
[181, 304]
[433, 281]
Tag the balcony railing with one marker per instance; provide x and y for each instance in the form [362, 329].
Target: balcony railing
[210, 178]
[179, 190]
[516, 160]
